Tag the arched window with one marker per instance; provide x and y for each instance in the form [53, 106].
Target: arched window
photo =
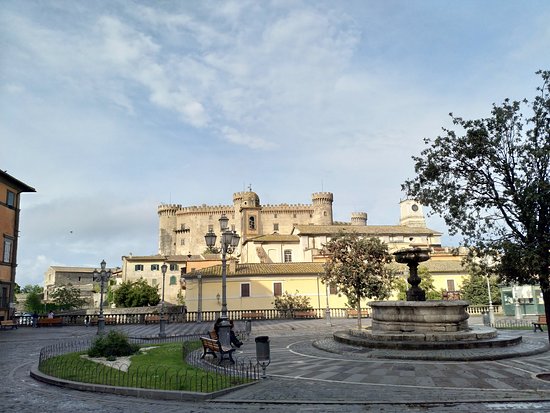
[252, 223]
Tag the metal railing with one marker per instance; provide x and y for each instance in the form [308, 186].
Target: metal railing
[206, 378]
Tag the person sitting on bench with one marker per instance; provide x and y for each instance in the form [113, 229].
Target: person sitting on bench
[232, 337]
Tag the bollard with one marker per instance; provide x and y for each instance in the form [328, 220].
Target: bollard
[262, 353]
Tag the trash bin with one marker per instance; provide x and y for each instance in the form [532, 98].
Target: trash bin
[486, 318]
[262, 349]
[262, 353]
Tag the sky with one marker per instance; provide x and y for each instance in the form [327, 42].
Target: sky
[110, 108]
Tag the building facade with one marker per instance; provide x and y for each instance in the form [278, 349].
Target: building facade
[10, 191]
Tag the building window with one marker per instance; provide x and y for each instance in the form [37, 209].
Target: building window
[8, 245]
[210, 228]
[288, 255]
[10, 199]
[173, 267]
[233, 227]
[277, 289]
[293, 215]
[275, 227]
[139, 267]
[182, 241]
[4, 299]
[333, 289]
[245, 290]
[173, 280]
[154, 267]
[451, 285]
[154, 282]
[252, 223]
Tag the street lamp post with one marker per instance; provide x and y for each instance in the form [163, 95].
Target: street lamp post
[101, 277]
[199, 304]
[162, 322]
[491, 308]
[228, 242]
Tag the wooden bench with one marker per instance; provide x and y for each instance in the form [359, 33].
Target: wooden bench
[305, 314]
[541, 321]
[213, 335]
[155, 318]
[353, 313]
[49, 322]
[8, 323]
[255, 315]
[211, 346]
[108, 321]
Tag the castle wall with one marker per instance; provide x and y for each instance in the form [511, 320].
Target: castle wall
[182, 229]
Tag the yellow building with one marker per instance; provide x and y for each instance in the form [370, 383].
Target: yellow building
[255, 286]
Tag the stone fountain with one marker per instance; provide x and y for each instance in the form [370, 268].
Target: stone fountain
[418, 324]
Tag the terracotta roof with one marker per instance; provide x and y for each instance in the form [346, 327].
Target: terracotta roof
[16, 183]
[275, 238]
[362, 230]
[290, 268]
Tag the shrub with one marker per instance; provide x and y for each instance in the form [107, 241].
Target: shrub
[114, 344]
[288, 303]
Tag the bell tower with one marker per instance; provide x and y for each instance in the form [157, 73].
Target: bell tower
[412, 214]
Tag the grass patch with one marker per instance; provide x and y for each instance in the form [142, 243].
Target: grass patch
[162, 368]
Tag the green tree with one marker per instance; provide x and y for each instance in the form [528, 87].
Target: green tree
[67, 297]
[33, 302]
[32, 288]
[136, 294]
[474, 290]
[17, 288]
[427, 284]
[288, 303]
[490, 180]
[358, 266]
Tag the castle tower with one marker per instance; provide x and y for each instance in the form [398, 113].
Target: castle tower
[167, 227]
[411, 214]
[322, 208]
[359, 219]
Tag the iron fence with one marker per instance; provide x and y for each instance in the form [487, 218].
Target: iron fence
[206, 377]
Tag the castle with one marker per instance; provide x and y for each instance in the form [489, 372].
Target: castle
[182, 229]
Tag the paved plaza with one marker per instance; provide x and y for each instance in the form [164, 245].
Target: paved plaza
[301, 376]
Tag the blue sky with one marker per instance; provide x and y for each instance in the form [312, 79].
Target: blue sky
[109, 108]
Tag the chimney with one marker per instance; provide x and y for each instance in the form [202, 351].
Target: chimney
[232, 265]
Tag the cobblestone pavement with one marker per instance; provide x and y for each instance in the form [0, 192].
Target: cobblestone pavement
[301, 377]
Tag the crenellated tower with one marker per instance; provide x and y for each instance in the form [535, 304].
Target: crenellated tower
[322, 208]
[359, 219]
[167, 226]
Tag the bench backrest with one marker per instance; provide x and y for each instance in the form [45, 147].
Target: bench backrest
[211, 344]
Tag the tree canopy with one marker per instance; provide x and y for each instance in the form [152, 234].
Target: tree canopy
[427, 284]
[67, 297]
[358, 266]
[490, 181]
[136, 294]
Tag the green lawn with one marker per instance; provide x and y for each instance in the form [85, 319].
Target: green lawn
[160, 368]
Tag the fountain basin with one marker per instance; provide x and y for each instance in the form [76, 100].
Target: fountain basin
[419, 316]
